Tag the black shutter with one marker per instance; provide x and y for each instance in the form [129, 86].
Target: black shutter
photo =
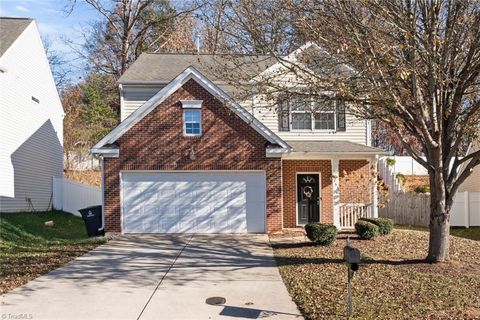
[341, 121]
[283, 116]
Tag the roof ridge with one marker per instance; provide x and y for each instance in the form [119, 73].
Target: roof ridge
[17, 18]
[207, 54]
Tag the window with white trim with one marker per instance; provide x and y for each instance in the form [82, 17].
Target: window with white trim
[324, 116]
[311, 114]
[301, 114]
[192, 122]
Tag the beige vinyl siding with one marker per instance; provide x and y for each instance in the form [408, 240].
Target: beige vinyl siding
[472, 183]
[31, 133]
[356, 129]
[133, 96]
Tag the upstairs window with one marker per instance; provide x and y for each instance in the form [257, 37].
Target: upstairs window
[284, 115]
[301, 113]
[192, 122]
[324, 116]
[305, 114]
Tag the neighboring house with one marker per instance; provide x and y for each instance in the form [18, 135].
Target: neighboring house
[187, 158]
[31, 119]
[472, 183]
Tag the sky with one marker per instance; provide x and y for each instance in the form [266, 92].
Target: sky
[54, 24]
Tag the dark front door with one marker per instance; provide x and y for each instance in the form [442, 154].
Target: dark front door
[308, 198]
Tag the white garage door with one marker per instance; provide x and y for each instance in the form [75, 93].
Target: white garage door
[193, 202]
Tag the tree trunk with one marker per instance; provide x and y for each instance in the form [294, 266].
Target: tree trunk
[438, 248]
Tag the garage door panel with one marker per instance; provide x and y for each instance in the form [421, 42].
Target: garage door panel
[217, 202]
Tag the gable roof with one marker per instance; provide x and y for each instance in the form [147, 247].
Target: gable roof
[189, 73]
[164, 67]
[10, 30]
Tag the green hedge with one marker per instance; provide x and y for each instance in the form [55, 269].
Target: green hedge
[366, 230]
[385, 225]
[322, 234]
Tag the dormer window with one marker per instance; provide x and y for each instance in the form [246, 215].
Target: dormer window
[192, 117]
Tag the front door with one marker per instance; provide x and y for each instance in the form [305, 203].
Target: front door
[308, 198]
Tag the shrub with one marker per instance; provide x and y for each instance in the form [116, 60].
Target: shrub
[322, 234]
[390, 162]
[401, 178]
[366, 230]
[385, 225]
[422, 189]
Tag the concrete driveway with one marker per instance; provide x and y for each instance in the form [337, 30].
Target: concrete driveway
[160, 277]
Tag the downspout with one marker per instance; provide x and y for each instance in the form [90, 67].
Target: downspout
[102, 228]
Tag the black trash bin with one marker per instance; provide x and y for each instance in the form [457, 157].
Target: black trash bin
[93, 220]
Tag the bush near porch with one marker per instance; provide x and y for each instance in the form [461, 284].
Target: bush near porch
[29, 249]
[393, 281]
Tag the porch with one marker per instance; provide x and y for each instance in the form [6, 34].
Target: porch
[335, 187]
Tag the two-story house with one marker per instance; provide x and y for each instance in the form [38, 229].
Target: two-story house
[31, 119]
[188, 157]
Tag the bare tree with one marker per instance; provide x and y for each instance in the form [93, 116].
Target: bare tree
[58, 64]
[412, 65]
[128, 28]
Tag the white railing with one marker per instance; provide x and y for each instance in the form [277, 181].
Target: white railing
[351, 212]
[70, 196]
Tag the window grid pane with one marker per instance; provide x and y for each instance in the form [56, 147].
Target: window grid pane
[325, 121]
[192, 120]
[302, 121]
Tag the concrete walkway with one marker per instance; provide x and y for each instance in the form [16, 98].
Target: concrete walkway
[161, 277]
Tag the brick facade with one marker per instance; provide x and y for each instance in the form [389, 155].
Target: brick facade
[157, 143]
[289, 171]
[354, 188]
[355, 181]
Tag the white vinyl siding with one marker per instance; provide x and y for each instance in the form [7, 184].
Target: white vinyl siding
[31, 133]
[134, 96]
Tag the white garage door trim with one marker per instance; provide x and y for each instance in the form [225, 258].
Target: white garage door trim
[219, 173]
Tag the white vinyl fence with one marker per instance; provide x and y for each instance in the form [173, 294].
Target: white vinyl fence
[414, 209]
[70, 196]
[406, 165]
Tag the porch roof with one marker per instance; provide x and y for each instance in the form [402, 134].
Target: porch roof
[334, 147]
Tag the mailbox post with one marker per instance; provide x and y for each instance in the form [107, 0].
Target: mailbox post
[351, 256]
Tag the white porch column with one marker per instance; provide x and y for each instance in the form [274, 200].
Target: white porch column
[374, 163]
[336, 192]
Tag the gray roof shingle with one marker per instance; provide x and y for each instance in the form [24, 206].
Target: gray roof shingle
[10, 30]
[333, 147]
[164, 67]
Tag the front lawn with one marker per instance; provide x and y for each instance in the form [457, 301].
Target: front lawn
[29, 249]
[467, 233]
[393, 281]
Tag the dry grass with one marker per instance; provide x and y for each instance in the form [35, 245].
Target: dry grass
[414, 181]
[29, 249]
[393, 281]
[91, 177]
